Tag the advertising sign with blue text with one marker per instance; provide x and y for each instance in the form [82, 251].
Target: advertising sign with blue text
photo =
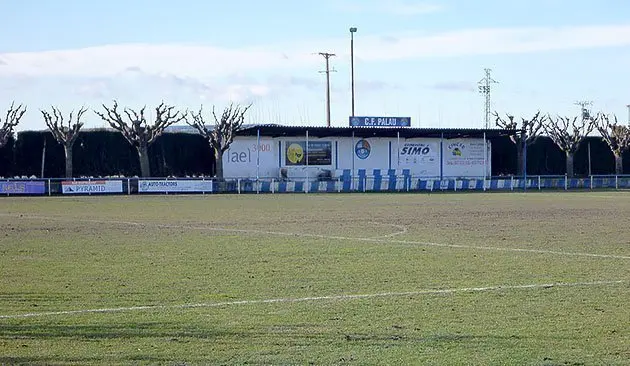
[23, 187]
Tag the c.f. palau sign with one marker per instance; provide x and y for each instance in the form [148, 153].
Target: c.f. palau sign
[380, 121]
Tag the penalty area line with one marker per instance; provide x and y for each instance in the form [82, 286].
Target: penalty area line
[316, 298]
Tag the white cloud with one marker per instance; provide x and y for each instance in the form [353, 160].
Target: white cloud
[245, 93]
[197, 61]
[188, 75]
[455, 86]
[498, 41]
[184, 60]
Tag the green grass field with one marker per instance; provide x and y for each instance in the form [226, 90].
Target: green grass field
[436, 279]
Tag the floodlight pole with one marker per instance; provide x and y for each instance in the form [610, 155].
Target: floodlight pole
[353, 30]
[524, 141]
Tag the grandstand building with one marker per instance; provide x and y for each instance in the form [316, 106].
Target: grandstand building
[287, 152]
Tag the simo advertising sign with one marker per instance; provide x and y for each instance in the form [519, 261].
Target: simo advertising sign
[418, 153]
[175, 186]
[91, 187]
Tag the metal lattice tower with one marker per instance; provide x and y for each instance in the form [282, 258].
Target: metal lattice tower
[586, 113]
[485, 89]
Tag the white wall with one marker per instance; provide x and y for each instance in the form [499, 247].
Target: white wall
[461, 157]
[240, 159]
[376, 157]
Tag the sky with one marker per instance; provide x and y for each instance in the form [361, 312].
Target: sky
[412, 58]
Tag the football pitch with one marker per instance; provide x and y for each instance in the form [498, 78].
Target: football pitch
[436, 279]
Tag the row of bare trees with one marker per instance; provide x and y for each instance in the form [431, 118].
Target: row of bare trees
[135, 128]
[567, 133]
[12, 118]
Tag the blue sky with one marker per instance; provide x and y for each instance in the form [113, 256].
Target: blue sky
[421, 59]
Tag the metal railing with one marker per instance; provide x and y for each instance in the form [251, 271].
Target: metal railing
[385, 183]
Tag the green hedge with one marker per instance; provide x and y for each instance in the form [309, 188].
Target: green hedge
[545, 158]
[106, 153]
[7, 158]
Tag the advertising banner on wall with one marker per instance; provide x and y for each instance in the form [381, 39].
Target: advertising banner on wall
[422, 157]
[24, 187]
[91, 187]
[466, 158]
[319, 153]
[464, 153]
[247, 157]
[175, 186]
[419, 153]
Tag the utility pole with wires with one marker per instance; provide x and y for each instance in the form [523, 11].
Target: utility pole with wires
[586, 113]
[327, 56]
[485, 89]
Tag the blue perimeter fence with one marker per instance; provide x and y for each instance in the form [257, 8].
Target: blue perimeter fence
[392, 183]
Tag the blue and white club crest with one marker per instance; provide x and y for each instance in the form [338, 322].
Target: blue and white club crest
[362, 149]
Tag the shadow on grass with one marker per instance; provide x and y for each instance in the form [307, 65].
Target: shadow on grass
[52, 360]
[436, 338]
[175, 332]
[252, 345]
[107, 331]
[36, 360]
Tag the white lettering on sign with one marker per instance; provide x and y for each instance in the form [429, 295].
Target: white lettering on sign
[380, 121]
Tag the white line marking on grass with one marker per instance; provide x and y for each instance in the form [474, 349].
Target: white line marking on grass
[329, 237]
[316, 298]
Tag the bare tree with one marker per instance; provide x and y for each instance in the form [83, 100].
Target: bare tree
[65, 132]
[221, 135]
[527, 133]
[567, 133]
[137, 131]
[617, 136]
[12, 118]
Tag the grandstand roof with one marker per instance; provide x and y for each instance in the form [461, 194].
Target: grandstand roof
[404, 132]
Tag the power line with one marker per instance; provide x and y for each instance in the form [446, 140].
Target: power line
[327, 57]
[485, 88]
